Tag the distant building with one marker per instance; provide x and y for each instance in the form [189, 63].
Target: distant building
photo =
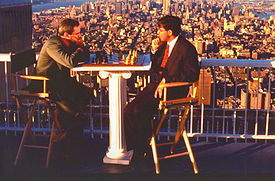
[204, 89]
[235, 11]
[256, 98]
[166, 7]
[158, 1]
[15, 25]
[118, 8]
[218, 32]
[187, 15]
[200, 46]
[226, 52]
[189, 3]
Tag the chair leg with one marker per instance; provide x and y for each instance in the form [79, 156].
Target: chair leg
[55, 124]
[50, 145]
[27, 128]
[189, 149]
[180, 129]
[54, 114]
[155, 154]
[22, 143]
[165, 111]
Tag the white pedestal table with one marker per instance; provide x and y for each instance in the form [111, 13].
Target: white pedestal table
[117, 73]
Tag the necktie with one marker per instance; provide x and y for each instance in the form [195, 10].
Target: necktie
[165, 58]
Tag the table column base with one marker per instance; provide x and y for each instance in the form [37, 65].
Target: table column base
[124, 159]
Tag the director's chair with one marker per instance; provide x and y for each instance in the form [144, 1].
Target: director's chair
[165, 105]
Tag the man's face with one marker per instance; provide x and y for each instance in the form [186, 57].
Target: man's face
[163, 34]
[76, 36]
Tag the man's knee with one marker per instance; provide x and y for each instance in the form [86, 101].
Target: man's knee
[132, 112]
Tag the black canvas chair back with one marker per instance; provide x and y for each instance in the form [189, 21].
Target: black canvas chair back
[21, 60]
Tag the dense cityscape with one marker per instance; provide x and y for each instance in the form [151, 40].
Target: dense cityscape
[218, 29]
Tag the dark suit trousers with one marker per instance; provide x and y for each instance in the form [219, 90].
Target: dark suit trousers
[71, 99]
[137, 116]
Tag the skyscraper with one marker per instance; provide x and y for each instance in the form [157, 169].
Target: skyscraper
[15, 25]
[235, 11]
[189, 3]
[166, 7]
[118, 8]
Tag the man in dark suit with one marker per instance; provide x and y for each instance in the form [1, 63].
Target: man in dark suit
[58, 55]
[174, 59]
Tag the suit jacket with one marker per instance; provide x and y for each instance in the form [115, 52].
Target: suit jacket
[182, 66]
[55, 61]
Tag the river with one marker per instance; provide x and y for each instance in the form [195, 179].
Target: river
[42, 7]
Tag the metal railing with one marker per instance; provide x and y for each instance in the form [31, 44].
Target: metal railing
[236, 102]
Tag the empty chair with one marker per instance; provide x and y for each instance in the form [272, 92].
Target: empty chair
[165, 105]
[20, 61]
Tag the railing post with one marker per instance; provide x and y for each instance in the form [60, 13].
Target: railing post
[7, 93]
[270, 76]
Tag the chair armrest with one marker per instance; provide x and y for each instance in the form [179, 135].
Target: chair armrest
[31, 77]
[178, 102]
[28, 94]
[175, 84]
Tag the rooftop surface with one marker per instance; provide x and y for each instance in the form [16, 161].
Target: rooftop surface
[216, 161]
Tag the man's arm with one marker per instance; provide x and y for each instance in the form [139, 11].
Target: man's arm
[159, 90]
[186, 68]
[56, 51]
[191, 68]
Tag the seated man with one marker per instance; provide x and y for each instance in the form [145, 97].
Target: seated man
[174, 59]
[58, 55]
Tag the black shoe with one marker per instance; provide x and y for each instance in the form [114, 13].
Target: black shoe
[137, 160]
[140, 154]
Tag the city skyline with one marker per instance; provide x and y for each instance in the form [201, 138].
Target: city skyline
[218, 30]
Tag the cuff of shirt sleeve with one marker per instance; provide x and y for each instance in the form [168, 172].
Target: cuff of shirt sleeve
[153, 51]
[80, 49]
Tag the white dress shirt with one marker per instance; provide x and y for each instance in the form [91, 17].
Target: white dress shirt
[171, 46]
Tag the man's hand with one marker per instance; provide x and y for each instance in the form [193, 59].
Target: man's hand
[155, 44]
[79, 42]
[159, 90]
[77, 39]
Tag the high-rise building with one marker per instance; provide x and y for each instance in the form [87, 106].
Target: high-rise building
[187, 15]
[166, 7]
[189, 3]
[235, 11]
[118, 8]
[15, 25]
[158, 1]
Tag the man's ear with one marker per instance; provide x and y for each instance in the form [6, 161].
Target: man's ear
[170, 32]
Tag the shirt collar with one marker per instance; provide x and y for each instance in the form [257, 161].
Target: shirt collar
[172, 44]
[66, 41]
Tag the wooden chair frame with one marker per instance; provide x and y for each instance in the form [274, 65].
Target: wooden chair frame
[35, 98]
[165, 105]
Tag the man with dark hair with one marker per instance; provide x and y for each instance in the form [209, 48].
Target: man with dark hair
[174, 59]
[67, 26]
[58, 55]
[171, 23]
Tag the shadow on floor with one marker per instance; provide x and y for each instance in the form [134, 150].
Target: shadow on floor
[216, 161]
